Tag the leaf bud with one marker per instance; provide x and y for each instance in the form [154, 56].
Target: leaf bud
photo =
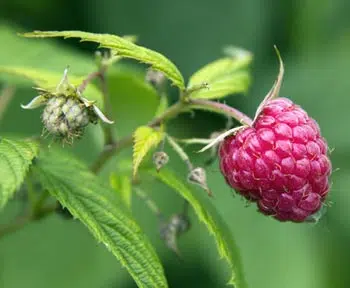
[198, 176]
[160, 159]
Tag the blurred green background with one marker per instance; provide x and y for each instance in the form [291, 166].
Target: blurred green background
[314, 39]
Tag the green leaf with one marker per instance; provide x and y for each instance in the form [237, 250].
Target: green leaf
[236, 83]
[124, 48]
[49, 80]
[122, 185]
[224, 76]
[222, 67]
[206, 213]
[145, 138]
[15, 158]
[99, 209]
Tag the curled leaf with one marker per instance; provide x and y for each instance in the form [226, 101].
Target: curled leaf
[274, 92]
[97, 111]
[101, 115]
[221, 137]
[35, 103]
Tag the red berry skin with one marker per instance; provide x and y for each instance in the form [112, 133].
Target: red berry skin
[280, 162]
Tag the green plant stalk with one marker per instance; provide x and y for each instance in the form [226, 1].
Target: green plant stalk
[222, 109]
[174, 110]
[184, 157]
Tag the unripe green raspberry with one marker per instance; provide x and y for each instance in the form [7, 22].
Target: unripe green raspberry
[66, 117]
[66, 112]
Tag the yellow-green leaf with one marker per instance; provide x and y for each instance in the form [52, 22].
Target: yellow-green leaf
[124, 48]
[145, 138]
[15, 158]
[216, 226]
[224, 76]
[49, 80]
[231, 84]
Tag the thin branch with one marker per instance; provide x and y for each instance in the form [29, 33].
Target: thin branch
[92, 76]
[178, 149]
[223, 109]
[5, 98]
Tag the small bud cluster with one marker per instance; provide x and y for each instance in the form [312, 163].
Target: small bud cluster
[156, 78]
[198, 176]
[160, 159]
[66, 112]
[66, 117]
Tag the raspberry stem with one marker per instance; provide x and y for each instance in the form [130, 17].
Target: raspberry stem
[101, 74]
[223, 109]
[184, 157]
[174, 110]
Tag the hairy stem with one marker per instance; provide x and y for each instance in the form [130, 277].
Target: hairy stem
[184, 157]
[223, 109]
[92, 76]
[171, 112]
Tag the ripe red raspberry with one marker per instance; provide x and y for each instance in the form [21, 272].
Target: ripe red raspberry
[280, 162]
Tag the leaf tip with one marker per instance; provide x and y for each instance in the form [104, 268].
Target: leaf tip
[35, 103]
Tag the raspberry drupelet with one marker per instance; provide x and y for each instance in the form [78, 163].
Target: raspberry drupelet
[280, 162]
